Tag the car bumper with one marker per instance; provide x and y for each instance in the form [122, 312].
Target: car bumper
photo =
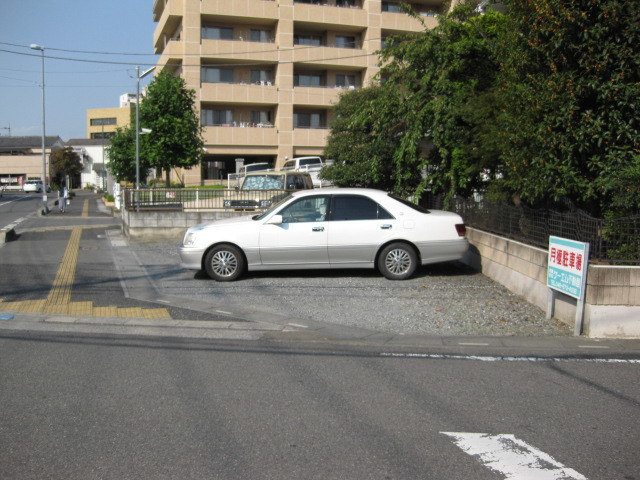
[191, 258]
[443, 251]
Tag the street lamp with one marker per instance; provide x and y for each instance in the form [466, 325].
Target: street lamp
[138, 77]
[45, 209]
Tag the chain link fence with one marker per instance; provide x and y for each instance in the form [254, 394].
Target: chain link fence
[615, 240]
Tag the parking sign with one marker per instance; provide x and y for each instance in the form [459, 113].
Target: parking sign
[567, 266]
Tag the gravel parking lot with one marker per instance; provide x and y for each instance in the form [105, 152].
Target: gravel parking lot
[445, 299]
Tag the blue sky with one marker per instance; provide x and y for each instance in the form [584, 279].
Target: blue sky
[117, 27]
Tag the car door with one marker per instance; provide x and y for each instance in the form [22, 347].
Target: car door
[301, 238]
[358, 226]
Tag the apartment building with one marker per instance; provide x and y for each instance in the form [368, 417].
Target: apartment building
[102, 122]
[267, 72]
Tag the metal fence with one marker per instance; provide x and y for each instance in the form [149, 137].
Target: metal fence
[615, 240]
[198, 200]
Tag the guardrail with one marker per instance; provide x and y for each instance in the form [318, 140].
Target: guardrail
[199, 199]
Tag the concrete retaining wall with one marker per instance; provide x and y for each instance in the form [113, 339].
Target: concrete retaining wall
[613, 293]
[166, 224]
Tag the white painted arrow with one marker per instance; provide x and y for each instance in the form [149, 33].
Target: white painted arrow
[512, 457]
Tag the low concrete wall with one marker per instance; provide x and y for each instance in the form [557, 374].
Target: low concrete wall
[613, 293]
[166, 224]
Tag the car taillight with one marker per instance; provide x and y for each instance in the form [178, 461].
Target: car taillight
[461, 229]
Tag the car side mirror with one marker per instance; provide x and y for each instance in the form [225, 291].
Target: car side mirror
[275, 220]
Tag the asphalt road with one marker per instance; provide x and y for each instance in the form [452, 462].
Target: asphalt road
[16, 206]
[94, 407]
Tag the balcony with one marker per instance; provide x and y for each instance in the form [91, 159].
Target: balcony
[238, 9]
[330, 14]
[169, 20]
[403, 22]
[317, 96]
[229, 135]
[239, 93]
[240, 49]
[344, 57]
[310, 137]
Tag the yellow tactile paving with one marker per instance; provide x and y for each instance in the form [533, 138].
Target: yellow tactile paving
[34, 306]
[60, 293]
[130, 312]
[81, 308]
[56, 309]
[156, 313]
[105, 311]
[59, 299]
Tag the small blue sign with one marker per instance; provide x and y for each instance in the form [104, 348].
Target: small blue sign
[567, 266]
[6, 317]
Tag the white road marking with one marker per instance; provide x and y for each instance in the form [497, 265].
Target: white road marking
[479, 358]
[474, 344]
[223, 312]
[512, 457]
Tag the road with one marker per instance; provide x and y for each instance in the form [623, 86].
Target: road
[15, 206]
[209, 395]
[99, 407]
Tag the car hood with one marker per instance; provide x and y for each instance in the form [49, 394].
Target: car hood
[226, 222]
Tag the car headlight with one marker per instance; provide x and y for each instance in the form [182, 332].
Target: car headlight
[189, 238]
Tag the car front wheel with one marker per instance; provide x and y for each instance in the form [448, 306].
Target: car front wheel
[397, 261]
[224, 263]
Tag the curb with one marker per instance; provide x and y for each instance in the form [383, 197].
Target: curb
[6, 235]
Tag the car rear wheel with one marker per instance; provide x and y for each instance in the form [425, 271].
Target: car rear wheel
[397, 261]
[224, 263]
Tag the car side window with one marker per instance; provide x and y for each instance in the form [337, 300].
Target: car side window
[308, 209]
[354, 207]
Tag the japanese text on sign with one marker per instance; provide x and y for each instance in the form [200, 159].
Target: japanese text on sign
[567, 266]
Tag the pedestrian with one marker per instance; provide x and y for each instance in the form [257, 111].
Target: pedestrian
[63, 194]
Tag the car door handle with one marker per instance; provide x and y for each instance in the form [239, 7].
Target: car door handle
[317, 229]
[386, 226]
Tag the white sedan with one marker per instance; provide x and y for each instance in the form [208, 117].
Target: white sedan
[328, 228]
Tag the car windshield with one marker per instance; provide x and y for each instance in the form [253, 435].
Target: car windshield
[263, 182]
[409, 204]
[271, 209]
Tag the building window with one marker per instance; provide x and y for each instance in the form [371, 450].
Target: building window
[309, 120]
[345, 80]
[96, 122]
[346, 3]
[261, 36]
[101, 135]
[345, 42]
[217, 33]
[217, 75]
[261, 76]
[391, 7]
[308, 39]
[261, 117]
[211, 118]
[308, 80]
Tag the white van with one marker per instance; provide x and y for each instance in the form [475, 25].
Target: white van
[303, 164]
[253, 167]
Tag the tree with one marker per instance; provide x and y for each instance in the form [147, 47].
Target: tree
[65, 163]
[363, 139]
[571, 87]
[447, 75]
[168, 110]
[122, 155]
[418, 130]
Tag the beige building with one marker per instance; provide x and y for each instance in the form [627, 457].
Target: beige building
[21, 159]
[102, 122]
[267, 72]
